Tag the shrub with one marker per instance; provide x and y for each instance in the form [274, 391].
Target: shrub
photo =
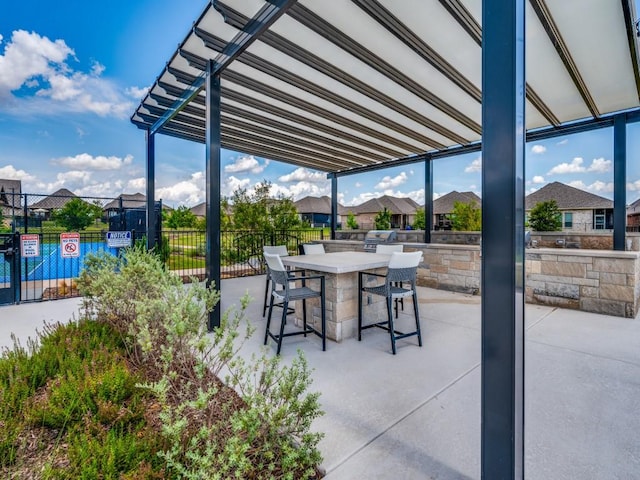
[210, 430]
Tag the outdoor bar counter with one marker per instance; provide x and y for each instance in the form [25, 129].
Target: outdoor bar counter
[599, 281]
[340, 270]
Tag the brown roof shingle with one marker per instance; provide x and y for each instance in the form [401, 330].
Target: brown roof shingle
[567, 198]
[444, 204]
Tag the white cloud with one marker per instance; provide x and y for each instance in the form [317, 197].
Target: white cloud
[302, 174]
[574, 167]
[388, 182]
[89, 162]
[538, 149]
[232, 184]
[531, 190]
[538, 179]
[301, 189]
[563, 141]
[9, 172]
[247, 164]
[187, 192]
[136, 92]
[597, 187]
[38, 65]
[138, 184]
[474, 166]
[599, 165]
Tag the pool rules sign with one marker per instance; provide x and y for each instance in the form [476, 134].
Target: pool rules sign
[70, 245]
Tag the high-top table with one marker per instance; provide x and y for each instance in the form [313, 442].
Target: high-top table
[340, 270]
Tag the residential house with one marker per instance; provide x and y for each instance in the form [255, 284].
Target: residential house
[633, 216]
[57, 200]
[403, 211]
[317, 211]
[581, 211]
[443, 207]
[125, 201]
[199, 210]
[10, 204]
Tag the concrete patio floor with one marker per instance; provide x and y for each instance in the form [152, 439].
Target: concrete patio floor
[416, 415]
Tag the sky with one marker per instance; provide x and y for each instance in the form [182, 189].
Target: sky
[73, 72]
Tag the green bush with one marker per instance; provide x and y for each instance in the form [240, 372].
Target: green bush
[211, 432]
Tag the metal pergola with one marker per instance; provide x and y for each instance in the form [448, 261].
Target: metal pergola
[348, 86]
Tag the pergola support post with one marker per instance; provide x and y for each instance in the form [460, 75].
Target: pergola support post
[334, 206]
[151, 186]
[619, 182]
[428, 199]
[502, 280]
[212, 148]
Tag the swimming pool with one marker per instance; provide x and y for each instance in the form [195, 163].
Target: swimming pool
[50, 265]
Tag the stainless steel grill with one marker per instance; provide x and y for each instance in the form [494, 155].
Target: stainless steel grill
[375, 237]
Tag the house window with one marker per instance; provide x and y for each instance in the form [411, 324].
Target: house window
[567, 220]
[598, 219]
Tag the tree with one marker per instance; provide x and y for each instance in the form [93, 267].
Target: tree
[545, 217]
[420, 222]
[351, 221]
[383, 219]
[76, 215]
[466, 217]
[260, 212]
[181, 217]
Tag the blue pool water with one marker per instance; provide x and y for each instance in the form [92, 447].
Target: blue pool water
[51, 265]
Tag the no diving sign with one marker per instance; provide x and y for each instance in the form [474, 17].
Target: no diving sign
[70, 245]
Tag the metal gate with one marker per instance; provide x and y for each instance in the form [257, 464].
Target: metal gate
[9, 268]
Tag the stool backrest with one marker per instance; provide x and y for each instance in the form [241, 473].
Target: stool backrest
[313, 248]
[405, 259]
[276, 269]
[280, 250]
[388, 249]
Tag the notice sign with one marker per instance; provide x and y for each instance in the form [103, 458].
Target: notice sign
[70, 245]
[30, 245]
[119, 239]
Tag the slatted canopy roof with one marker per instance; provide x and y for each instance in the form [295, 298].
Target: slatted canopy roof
[342, 85]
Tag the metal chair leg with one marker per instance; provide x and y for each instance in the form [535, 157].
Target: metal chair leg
[266, 331]
[392, 333]
[284, 319]
[266, 294]
[415, 311]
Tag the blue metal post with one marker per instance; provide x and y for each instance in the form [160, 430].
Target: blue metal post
[213, 186]
[151, 186]
[503, 144]
[619, 181]
[334, 206]
[428, 199]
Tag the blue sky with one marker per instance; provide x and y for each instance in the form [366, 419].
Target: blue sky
[72, 73]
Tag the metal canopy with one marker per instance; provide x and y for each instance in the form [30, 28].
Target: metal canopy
[356, 84]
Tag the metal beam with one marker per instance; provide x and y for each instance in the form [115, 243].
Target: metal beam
[502, 281]
[212, 146]
[428, 199]
[151, 187]
[619, 182]
[242, 40]
[334, 206]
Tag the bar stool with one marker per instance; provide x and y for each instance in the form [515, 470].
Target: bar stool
[282, 293]
[402, 269]
[388, 250]
[281, 251]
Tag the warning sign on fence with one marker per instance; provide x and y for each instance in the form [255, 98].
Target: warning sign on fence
[119, 239]
[70, 245]
[30, 245]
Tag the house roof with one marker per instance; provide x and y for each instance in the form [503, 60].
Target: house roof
[57, 199]
[396, 205]
[567, 198]
[634, 208]
[199, 210]
[338, 86]
[322, 205]
[10, 192]
[444, 204]
[129, 200]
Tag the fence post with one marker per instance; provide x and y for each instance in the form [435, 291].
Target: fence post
[25, 212]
